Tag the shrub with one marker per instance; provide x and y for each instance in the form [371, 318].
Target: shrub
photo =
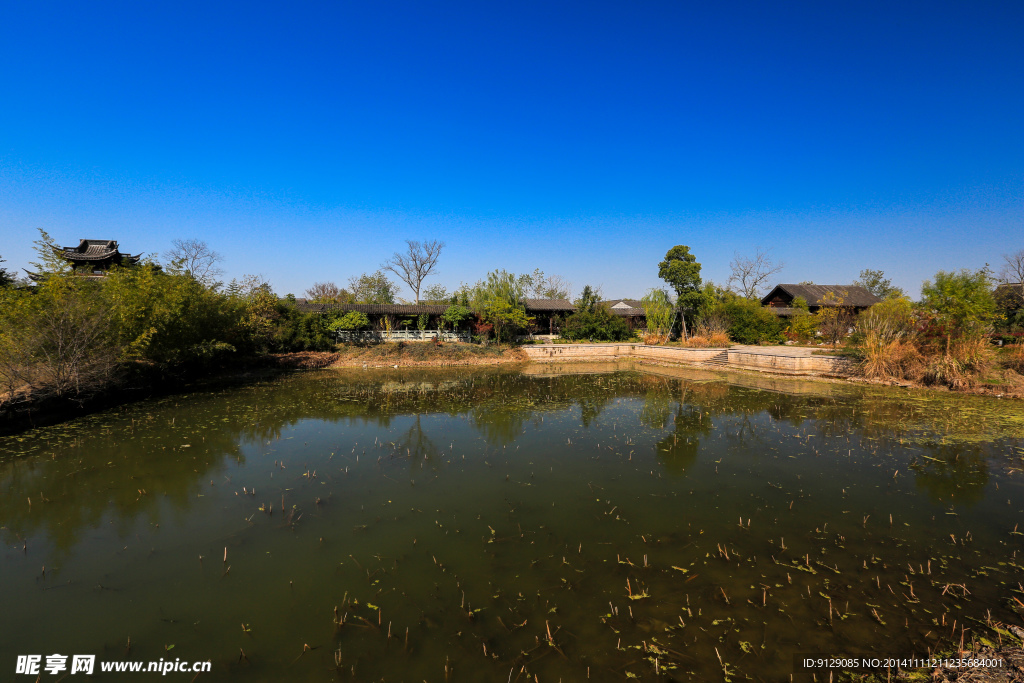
[597, 325]
[888, 332]
[298, 331]
[60, 339]
[1014, 358]
[750, 323]
[353, 320]
[718, 339]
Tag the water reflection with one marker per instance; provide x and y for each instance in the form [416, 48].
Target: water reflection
[482, 508]
[953, 475]
[135, 463]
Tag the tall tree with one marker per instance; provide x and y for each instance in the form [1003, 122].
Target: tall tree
[681, 270]
[548, 286]
[196, 258]
[5, 277]
[875, 282]
[415, 264]
[49, 261]
[1012, 271]
[372, 288]
[500, 285]
[327, 292]
[436, 294]
[961, 302]
[750, 274]
[589, 298]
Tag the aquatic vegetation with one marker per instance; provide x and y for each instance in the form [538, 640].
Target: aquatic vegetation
[648, 523]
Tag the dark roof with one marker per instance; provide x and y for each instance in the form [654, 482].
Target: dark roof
[852, 295]
[94, 250]
[630, 312]
[378, 309]
[548, 305]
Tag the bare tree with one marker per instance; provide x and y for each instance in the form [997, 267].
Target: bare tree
[413, 266]
[1012, 271]
[549, 286]
[197, 259]
[751, 274]
[324, 292]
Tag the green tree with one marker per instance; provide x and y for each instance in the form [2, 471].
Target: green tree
[505, 317]
[372, 288]
[49, 262]
[6, 278]
[875, 282]
[500, 285]
[961, 302]
[548, 286]
[436, 295]
[801, 324]
[589, 298]
[58, 339]
[682, 272]
[659, 312]
[455, 315]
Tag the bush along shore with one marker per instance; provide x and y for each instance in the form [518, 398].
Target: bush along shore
[71, 340]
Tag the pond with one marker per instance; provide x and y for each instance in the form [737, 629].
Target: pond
[542, 523]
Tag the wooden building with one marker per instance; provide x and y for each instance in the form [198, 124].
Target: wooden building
[780, 299]
[547, 314]
[630, 309]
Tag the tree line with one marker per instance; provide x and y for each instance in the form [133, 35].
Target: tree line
[68, 335]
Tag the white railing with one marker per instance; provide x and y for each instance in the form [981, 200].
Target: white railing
[401, 335]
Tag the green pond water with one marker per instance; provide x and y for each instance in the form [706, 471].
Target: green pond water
[545, 523]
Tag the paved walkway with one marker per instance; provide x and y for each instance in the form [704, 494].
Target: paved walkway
[789, 351]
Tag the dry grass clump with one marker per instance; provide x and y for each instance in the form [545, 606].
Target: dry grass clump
[895, 359]
[1014, 358]
[964, 362]
[719, 339]
[654, 338]
[697, 342]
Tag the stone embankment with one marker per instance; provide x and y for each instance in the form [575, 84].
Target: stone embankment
[780, 360]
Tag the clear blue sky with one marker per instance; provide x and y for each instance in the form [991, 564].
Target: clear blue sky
[306, 141]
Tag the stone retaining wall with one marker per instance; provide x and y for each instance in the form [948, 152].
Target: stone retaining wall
[744, 358]
[795, 365]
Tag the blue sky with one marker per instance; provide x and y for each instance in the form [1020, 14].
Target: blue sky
[307, 141]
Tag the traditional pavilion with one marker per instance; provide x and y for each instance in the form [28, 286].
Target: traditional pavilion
[93, 258]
